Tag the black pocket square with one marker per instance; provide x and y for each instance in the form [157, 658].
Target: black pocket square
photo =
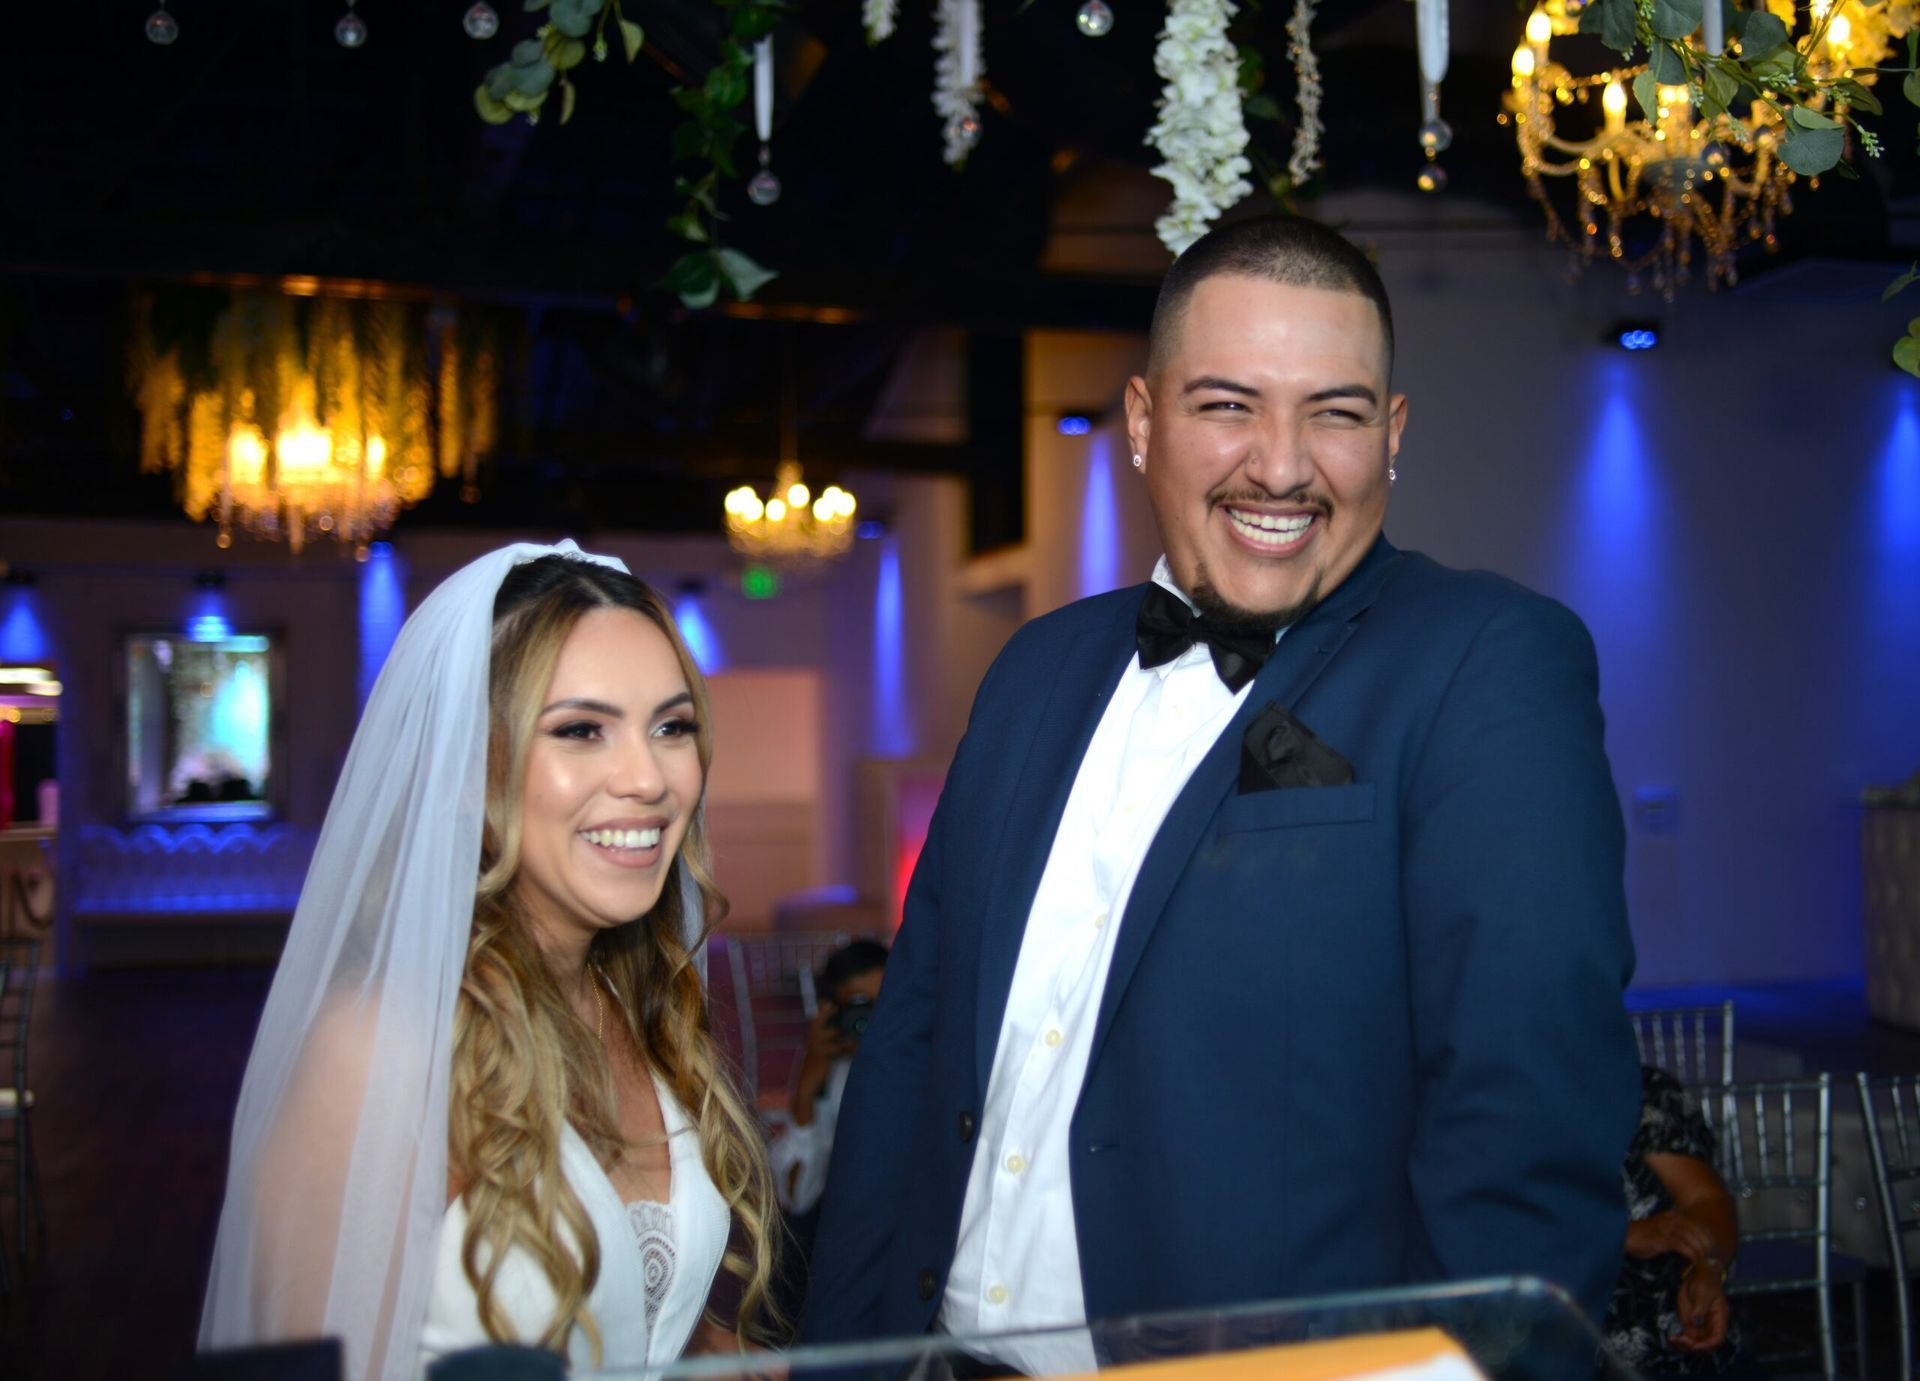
[1279, 751]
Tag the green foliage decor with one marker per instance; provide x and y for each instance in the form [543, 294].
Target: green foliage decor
[706, 136]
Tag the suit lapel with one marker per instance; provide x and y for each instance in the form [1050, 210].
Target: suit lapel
[1087, 674]
[1296, 663]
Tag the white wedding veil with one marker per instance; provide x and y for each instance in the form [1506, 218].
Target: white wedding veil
[338, 1177]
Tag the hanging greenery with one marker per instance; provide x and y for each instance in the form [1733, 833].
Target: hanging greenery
[707, 136]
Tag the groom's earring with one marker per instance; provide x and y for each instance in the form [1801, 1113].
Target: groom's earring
[1139, 462]
[1393, 475]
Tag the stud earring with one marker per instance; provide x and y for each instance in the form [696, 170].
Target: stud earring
[1139, 462]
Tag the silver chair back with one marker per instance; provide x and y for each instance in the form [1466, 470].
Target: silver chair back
[1890, 1117]
[771, 992]
[1775, 1153]
[1693, 1044]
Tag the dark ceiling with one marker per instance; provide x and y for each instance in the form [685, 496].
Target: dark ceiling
[255, 145]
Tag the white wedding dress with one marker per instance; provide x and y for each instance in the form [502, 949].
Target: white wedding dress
[657, 1263]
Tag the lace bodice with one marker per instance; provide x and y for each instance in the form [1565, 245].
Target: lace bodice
[653, 1226]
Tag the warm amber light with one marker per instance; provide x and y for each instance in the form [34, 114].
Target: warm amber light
[776, 510]
[797, 496]
[1522, 62]
[305, 452]
[1613, 100]
[1839, 33]
[1539, 27]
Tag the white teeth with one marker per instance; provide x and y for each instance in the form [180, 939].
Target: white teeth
[1275, 529]
[622, 839]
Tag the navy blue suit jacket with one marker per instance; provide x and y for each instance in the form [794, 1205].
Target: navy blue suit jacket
[1353, 1036]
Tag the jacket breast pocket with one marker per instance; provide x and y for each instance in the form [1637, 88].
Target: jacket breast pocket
[1299, 805]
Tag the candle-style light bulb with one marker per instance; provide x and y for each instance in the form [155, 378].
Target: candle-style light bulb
[1523, 63]
[1613, 101]
[1539, 27]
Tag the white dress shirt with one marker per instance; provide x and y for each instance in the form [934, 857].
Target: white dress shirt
[1017, 1263]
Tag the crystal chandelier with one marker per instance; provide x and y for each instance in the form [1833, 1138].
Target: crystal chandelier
[1715, 182]
[312, 415]
[790, 526]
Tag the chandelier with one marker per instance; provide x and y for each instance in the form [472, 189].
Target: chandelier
[790, 526]
[293, 417]
[1720, 182]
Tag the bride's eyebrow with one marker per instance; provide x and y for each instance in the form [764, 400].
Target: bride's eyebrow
[590, 706]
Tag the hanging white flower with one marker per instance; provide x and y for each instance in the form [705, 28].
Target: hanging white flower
[878, 17]
[1201, 132]
[956, 85]
[1306, 71]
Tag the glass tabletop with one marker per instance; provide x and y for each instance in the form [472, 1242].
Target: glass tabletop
[1519, 1328]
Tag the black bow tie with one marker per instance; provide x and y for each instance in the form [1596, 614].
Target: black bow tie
[1167, 627]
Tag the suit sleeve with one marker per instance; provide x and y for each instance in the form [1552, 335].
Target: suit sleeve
[1519, 951]
[882, 1107]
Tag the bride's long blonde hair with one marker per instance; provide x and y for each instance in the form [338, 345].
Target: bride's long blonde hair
[523, 1063]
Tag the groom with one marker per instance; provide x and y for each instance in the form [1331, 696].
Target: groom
[1269, 937]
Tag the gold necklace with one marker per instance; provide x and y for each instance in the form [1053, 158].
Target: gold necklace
[599, 1007]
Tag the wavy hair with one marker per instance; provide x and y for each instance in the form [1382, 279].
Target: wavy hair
[524, 1065]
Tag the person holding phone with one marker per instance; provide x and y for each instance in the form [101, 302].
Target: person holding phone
[848, 983]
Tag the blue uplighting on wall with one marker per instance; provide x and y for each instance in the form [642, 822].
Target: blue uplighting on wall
[23, 639]
[383, 609]
[208, 628]
[1898, 502]
[1892, 629]
[1074, 424]
[1099, 523]
[698, 634]
[1640, 338]
[892, 726]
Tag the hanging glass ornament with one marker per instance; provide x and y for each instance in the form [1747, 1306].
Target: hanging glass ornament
[481, 20]
[162, 28]
[964, 129]
[763, 188]
[1436, 136]
[1094, 19]
[1433, 178]
[351, 31]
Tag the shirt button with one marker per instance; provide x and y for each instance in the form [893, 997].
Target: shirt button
[1100, 921]
[1054, 1037]
[1016, 1163]
[997, 1295]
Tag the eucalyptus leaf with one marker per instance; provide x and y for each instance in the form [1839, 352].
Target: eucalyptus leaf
[754, 22]
[1676, 18]
[574, 18]
[1617, 25]
[1902, 283]
[523, 101]
[527, 52]
[726, 88]
[1721, 85]
[566, 101]
[489, 107]
[1669, 68]
[1906, 354]
[1910, 88]
[1811, 152]
[499, 81]
[535, 6]
[688, 227]
[1761, 34]
[631, 36]
[1845, 169]
[1647, 92]
[700, 299]
[1913, 48]
[1857, 97]
[1811, 119]
[568, 54]
[691, 272]
[1261, 107]
[742, 274]
[530, 81]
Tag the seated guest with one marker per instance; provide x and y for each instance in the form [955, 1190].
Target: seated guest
[1669, 1314]
[483, 1105]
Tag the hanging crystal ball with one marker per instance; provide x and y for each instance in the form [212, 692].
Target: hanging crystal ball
[763, 188]
[965, 129]
[1436, 136]
[1094, 19]
[481, 21]
[162, 28]
[351, 31]
[1433, 178]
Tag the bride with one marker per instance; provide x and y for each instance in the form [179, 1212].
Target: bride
[483, 1104]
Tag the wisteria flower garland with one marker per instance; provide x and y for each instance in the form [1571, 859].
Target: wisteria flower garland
[878, 17]
[1306, 71]
[956, 85]
[1201, 132]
